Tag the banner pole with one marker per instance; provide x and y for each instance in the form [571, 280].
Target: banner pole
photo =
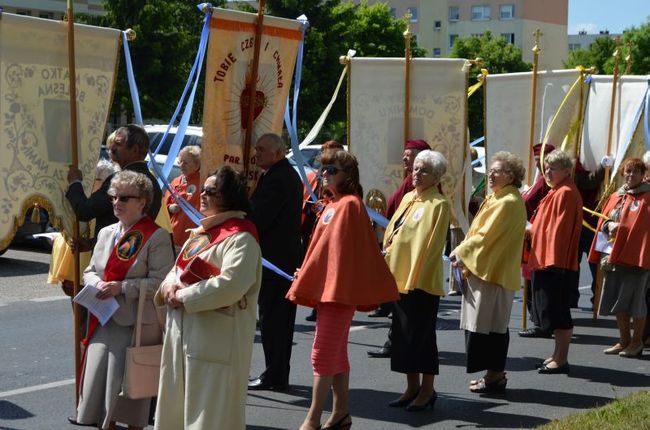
[610, 138]
[75, 162]
[252, 89]
[407, 78]
[533, 108]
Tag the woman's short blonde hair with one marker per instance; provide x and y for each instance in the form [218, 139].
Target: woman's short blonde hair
[137, 181]
[192, 151]
[512, 165]
[559, 158]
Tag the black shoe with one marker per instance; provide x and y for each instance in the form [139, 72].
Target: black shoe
[382, 352]
[312, 316]
[427, 405]
[545, 370]
[258, 385]
[378, 313]
[400, 403]
[535, 332]
[74, 422]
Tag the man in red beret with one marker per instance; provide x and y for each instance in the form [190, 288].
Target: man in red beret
[411, 149]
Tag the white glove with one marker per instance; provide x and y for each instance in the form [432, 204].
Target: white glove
[607, 161]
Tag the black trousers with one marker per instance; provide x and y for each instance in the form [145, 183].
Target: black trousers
[486, 351]
[277, 317]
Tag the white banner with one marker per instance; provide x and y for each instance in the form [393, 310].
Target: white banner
[228, 79]
[35, 112]
[595, 134]
[508, 106]
[438, 114]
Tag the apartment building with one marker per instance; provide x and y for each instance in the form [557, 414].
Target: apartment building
[51, 9]
[583, 40]
[437, 23]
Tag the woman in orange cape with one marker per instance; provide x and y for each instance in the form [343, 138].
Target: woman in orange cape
[555, 233]
[625, 260]
[343, 271]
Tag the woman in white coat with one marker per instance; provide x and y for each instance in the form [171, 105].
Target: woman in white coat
[211, 298]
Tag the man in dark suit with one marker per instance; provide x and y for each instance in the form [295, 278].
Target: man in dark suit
[277, 204]
[128, 147]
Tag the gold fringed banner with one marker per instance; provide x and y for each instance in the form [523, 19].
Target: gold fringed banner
[228, 79]
[34, 107]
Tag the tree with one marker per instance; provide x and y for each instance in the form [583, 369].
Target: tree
[167, 37]
[498, 56]
[599, 54]
[335, 27]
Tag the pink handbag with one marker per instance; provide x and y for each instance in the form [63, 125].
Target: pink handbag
[142, 363]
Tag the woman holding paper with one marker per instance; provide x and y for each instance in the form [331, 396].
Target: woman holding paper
[134, 253]
[414, 242]
[211, 297]
[489, 257]
[621, 248]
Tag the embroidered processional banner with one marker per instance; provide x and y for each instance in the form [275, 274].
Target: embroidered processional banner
[628, 114]
[438, 114]
[508, 107]
[35, 112]
[228, 79]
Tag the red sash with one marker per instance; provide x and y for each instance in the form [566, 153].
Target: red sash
[122, 257]
[194, 268]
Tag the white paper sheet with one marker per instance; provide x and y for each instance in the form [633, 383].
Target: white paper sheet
[102, 309]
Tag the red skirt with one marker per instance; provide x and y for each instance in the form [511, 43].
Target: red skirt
[329, 354]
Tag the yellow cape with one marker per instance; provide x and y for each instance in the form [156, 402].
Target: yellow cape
[414, 255]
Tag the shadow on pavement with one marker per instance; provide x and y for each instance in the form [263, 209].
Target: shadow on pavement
[601, 322]
[15, 267]
[611, 376]
[11, 411]
[372, 404]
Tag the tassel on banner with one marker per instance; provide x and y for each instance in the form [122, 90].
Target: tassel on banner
[36, 214]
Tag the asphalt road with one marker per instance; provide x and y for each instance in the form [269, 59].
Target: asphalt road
[36, 367]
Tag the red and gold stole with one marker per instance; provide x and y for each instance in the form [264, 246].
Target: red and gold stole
[193, 267]
[122, 257]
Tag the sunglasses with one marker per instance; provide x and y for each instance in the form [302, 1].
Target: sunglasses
[122, 199]
[211, 191]
[329, 169]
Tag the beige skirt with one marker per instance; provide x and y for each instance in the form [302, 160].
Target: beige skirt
[485, 307]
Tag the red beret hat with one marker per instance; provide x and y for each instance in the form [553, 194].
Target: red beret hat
[548, 148]
[418, 144]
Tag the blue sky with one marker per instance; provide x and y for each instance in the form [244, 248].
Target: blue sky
[612, 15]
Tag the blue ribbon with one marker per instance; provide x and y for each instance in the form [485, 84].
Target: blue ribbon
[377, 217]
[477, 141]
[291, 118]
[646, 117]
[135, 99]
[187, 112]
[478, 161]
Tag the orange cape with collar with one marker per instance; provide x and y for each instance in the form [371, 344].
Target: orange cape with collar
[556, 229]
[632, 244]
[343, 262]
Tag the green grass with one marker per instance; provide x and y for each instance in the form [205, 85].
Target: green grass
[629, 413]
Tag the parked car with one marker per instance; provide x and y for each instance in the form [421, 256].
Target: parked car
[28, 229]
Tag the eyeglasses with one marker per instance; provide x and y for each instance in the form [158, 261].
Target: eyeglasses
[329, 169]
[211, 191]
[122, 199]
[496, 172]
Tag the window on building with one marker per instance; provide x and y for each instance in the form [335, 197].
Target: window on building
[479, 35]
[393, 12]
[414, 14]
[509, 37]
[25, 12]
[452, 39]
[481, 13]
[507, 11]
[437, 25]
[436, 52]
[454, 13]
[574, 46]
